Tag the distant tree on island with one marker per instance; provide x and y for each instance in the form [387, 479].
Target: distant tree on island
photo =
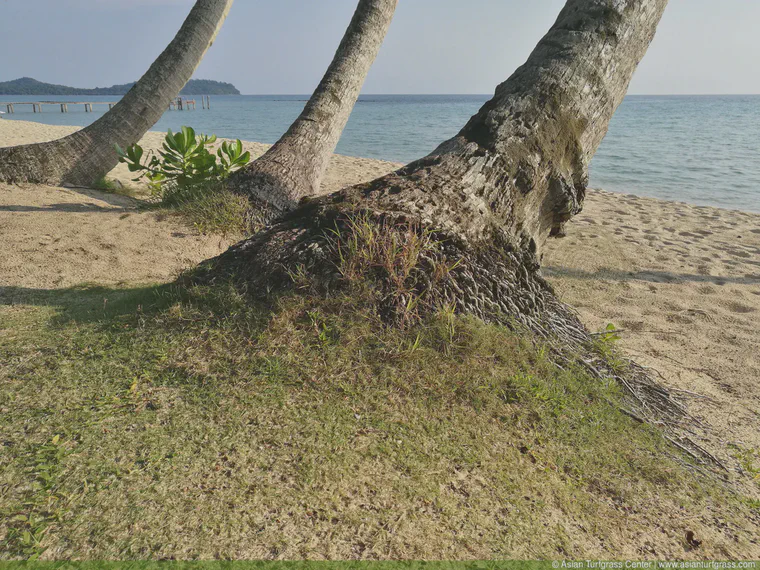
[29, 86]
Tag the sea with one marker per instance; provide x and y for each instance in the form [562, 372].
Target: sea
[704, 150]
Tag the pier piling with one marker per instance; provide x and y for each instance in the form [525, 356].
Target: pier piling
[185, 104]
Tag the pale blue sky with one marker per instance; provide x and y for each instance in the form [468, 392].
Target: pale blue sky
[434, 46]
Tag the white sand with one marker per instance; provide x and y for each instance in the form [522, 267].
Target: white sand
[683, 281]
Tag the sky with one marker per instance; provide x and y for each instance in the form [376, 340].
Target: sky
[433, 46]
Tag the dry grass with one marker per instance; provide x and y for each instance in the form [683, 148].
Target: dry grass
[401, 263]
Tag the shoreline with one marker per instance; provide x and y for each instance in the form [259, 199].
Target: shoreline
[26, 132]
[343, 168]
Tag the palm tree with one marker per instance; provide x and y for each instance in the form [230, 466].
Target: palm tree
[491, 195]
[87, 155]
[293, 167]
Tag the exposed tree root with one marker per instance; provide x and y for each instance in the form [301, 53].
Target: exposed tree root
[414, 270]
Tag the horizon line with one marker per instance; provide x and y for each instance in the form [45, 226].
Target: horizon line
[491, 94]
[308, 95]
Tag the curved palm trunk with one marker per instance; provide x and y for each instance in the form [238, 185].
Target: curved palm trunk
[484, 202]
[87, 155]
[294, 166]
[492, 194]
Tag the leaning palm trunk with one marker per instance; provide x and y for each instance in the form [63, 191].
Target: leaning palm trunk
[87, 155]
[493, 194]
[465, 226]
[294, 166]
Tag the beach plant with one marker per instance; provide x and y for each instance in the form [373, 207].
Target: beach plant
[184, 162]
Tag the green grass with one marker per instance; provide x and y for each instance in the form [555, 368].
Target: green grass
[115, 187]
[207, 208]
[152, 422]
[749, 460]
[220, 212]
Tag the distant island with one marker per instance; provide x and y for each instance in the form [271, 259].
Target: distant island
[29, 86]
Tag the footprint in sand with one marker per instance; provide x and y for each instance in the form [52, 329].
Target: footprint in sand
[48, 240]
[738, 253]
[735, 307]
[678, 319]
[697, 313]
[703, 270]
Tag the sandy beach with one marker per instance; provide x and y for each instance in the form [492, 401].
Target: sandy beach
[682, 281]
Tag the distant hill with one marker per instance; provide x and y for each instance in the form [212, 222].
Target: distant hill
[29, 86]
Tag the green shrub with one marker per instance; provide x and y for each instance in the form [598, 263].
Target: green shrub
[184, 162]
[185, 177]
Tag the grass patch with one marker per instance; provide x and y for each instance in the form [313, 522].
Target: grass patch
[749, 460]
[116, 187]
[154, 422]
[207, 208]
[219, 212]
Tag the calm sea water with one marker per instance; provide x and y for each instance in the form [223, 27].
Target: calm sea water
[699, 149]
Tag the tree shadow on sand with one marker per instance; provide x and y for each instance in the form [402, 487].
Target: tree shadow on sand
[650, 276]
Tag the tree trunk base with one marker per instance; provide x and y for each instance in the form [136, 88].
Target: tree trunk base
[412, 270]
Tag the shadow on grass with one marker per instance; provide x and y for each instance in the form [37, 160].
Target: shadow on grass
[91, 302]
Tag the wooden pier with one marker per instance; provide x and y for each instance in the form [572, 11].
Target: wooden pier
[64, 105]
[180, 104]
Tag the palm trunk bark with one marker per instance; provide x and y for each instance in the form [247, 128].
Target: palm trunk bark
[294, 166]
[492, 194]
[473, 216]
[87, 155]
